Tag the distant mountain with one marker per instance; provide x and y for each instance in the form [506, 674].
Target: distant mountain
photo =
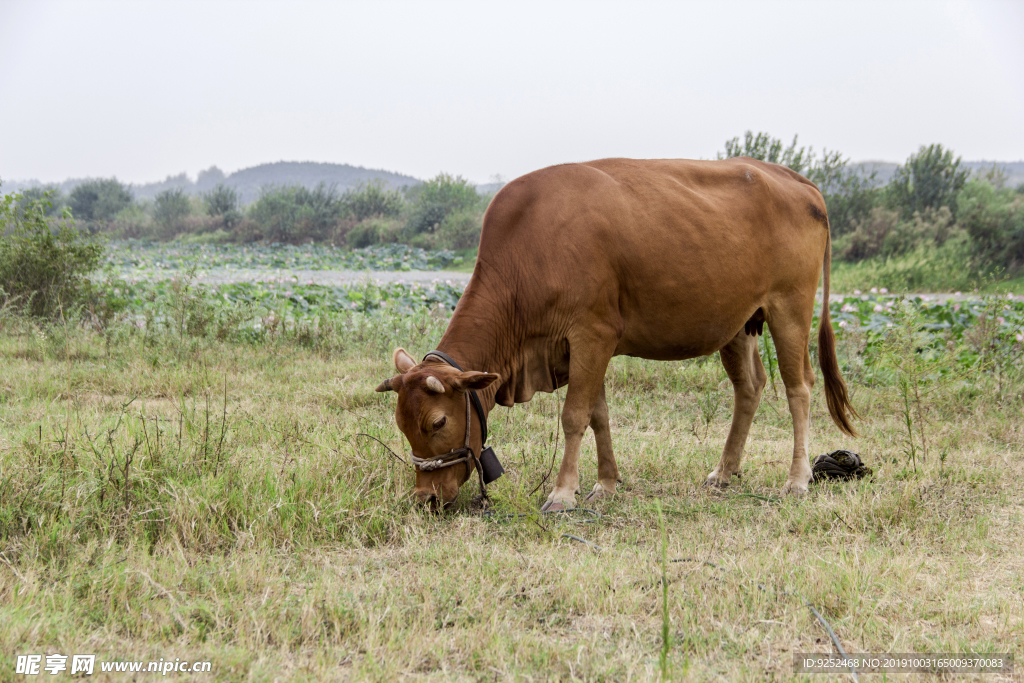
[248, 181]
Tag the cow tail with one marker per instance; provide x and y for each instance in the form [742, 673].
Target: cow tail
[839, 406]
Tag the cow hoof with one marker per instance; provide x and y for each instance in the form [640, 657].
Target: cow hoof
[558, 503]
[716, 481]
[602, 491]
[794, 488]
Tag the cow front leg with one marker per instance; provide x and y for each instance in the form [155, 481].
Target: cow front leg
[587, 365]
[607, 469]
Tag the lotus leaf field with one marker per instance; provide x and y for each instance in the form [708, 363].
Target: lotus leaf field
[135, 258]
[152, 284]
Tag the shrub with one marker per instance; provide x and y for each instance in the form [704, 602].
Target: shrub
[374, 231]
[460, 230]
[867, 236]
[438, 198]
[51, 196]
[222, 202]
[373, 199]
[99, 200]
[132, 223]
[170, 209]
[294, 213]
[994, 218]
[43, 266]
[927, 268]
[882, 233]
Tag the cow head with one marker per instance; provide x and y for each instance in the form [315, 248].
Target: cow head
[431, 412]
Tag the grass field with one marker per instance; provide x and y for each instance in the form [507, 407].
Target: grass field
[185, 483]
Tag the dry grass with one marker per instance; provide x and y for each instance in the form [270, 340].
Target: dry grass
[289, 548]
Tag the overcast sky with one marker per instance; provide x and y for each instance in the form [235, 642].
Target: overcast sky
[142, 90]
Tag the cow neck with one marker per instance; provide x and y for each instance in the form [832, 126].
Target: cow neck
[474, 350]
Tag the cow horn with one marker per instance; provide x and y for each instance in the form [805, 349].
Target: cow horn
[385, 385]
[434, 385]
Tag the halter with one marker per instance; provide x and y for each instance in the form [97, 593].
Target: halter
[464, 454]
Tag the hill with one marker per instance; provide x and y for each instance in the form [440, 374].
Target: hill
[248, 181]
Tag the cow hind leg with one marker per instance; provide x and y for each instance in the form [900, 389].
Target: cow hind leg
[588, 362]
[743, 365]
[791, 329]
[607, 469]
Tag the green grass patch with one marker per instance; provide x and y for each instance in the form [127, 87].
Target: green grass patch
[166, 491]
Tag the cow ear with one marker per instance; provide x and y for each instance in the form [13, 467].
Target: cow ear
[475, 380]
[403, 361]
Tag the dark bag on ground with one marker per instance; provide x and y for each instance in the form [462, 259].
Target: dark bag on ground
[843, 465]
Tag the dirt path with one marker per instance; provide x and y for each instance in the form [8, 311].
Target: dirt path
[330, 277]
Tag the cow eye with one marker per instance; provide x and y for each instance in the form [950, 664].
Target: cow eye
[440, 422]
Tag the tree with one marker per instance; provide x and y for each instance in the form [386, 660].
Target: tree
[170, 208]
[931, 178]
[293, 213]
[222, 202]
[373, 199]
[99, 200]
[50, 196]
[766, 148]
[438, 198]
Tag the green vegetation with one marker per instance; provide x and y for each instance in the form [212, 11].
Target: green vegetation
[933, 227]
[44, 263]
[201, 470]
[443, 213]
[98, 201]
[195, 478]
[135, 260]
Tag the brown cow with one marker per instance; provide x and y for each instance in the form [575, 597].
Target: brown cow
[659, 259]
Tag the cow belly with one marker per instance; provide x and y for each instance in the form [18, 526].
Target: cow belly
[678, 340]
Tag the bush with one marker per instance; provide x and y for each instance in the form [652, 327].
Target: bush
[51, 196]
[170, 209]
[295, 213]
[222, 202]
[927, 268]
[373, 200]
[882, 233]
[43, 266]
[460, 230]
[438, 198]
[132, 223]
[994, 218]
[374, 231]
[99, 200]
